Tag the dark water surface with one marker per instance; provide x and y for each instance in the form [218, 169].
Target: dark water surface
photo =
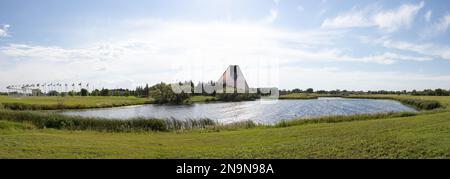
[264, 112]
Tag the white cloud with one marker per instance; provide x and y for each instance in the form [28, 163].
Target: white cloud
[276, 2]
[428, 15]
[4, 30]
[272, 16]
[338, 56]
[172, 51]
[348, 20]
[429, 49]
[395, 19]
[436, 28]
[323, 12]
[333, 78]
[154, 54]
[443, 23]
[387, 20]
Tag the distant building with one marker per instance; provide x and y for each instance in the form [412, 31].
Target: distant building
[233, 80]
[36, 92]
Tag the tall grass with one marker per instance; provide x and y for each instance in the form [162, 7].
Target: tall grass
[416, 103]
[248, 124]
[60, 106]
[336, 119]
[297, 97]
[58, 121]
[59, 103]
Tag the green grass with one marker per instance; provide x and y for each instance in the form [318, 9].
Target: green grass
[423, 136]
[8, 125]
[337, 119]
[419, 102]
[200, 99]
[43, 120]
[298, 96]
[77, 102]
[306, 96]
[399, 135]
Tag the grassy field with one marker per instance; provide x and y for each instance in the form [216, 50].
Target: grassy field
[299, 96]
[444, 100]
[76, 102]
[425, 135]
[306, 96]
[200, 99]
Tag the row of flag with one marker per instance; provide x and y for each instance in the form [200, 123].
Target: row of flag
[43, 85]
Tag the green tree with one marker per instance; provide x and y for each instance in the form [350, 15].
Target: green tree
[127, 93]
[162, 93]
[53, 93]
[84, 92]
[104, 92]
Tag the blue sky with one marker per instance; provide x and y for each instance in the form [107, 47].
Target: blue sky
[354, 45]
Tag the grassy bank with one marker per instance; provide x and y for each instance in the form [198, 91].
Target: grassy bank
[397, 135]
[337, 119]
[298, 96]
[77, 102]
[423, 136]
[202, 99]
[43, 120]
[306, 96]
[420, 103]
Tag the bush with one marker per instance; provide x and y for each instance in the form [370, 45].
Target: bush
[417, 103]
[236, 97]
[421, 104]
[58, 121]
[336, 119]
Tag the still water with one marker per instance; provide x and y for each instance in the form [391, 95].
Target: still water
[263, 112]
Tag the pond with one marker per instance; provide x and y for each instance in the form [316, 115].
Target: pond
[262, 112]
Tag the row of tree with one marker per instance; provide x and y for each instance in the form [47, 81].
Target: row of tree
[427, 92]
[163, 92]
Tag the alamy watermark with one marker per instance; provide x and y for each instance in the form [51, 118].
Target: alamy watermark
[263, 79]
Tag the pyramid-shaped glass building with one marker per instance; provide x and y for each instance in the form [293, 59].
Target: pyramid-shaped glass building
[233, 80]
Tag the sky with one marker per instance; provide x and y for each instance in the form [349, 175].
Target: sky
[328, 44]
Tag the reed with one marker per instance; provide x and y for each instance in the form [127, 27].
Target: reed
[336, 119]
[58, 121]
[416, 103]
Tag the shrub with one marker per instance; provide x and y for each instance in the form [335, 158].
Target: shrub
[421, 104]
[58, 121]
[336, 119]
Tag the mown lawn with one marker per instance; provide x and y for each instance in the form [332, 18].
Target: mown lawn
[421, 136]
[70, 102]
[425, 136]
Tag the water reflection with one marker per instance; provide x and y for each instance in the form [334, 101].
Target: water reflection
[257, 111]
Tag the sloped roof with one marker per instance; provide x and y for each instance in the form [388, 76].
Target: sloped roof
[233, 78]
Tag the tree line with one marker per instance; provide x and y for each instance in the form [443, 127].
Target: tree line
[163, 93]
[426, 92]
